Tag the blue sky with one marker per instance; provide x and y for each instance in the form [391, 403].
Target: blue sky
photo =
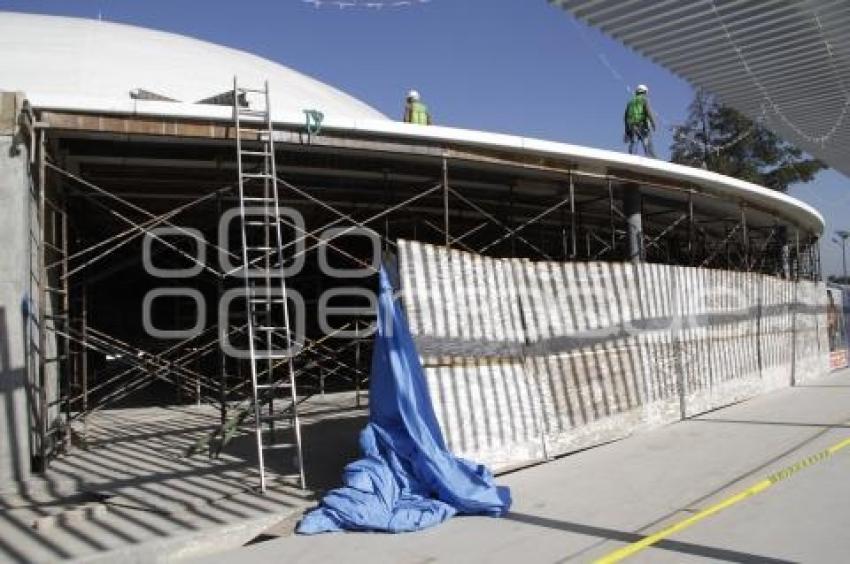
[516, 66]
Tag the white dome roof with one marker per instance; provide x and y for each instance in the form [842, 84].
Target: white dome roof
[90, 59]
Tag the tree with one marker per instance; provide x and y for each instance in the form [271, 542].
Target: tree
[724, 140]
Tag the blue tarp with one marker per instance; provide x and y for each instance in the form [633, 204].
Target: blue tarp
[407, 480]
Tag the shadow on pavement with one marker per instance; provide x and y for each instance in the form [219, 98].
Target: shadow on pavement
[628, 537]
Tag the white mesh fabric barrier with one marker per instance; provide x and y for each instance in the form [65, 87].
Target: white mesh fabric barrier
[464, 314]
[488, 410]
[449, 299]
[655, 315]
[526, 360]
[812, 344]
[584, 351]
[776, 330]
[719, 337]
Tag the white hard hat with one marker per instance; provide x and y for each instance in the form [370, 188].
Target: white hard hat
[642, 88]
[413, 95]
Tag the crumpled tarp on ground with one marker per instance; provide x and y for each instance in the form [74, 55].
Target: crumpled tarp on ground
[407, 479]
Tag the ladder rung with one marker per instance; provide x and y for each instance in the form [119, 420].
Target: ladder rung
[257, 175]
[291, 477]
[257, 312]
[279, 446]
[56, 290]
[251, 112]
[253, 90]
[258, 224]
[56, 358]
[278, 386]
[256, 153]
[260, 248]
[263, 302]
[262, 355]
[257, 199]
[269, 299]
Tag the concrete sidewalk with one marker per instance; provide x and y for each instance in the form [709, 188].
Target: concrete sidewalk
[131, 495]
[584, 506]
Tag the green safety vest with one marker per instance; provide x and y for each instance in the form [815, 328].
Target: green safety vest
[418, 113]
[636, 111]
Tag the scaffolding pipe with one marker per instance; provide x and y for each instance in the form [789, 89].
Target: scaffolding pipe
[745, 238]
[446, 202]
[85, 358]
[66, 320]
[691, 233]
[611, 218]
[42, 283]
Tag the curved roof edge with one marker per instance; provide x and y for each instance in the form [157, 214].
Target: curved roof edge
[791, 208]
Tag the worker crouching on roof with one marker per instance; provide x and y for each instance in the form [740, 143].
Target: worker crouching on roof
[639, 122]
[415, 111]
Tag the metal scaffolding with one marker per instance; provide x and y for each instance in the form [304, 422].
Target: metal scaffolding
[89, 227]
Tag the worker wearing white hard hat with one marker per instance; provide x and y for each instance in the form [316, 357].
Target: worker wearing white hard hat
[639, 122]
[415, 111]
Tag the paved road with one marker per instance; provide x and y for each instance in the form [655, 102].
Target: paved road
[586, 505]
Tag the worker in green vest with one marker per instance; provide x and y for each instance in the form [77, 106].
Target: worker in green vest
[415, 111]
[639, 122]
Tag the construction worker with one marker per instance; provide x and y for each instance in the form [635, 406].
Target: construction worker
[639, 122]
[415, 111]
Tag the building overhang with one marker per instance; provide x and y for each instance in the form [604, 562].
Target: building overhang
[784, 63]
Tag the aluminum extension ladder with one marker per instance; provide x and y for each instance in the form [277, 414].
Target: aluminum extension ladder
[270, 343]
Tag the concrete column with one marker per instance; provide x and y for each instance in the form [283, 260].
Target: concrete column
[634, 223]
[14, 284]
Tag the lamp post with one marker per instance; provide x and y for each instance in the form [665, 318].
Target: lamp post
[844, 235]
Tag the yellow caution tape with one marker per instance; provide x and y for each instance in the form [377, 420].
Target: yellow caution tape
[646, 542]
